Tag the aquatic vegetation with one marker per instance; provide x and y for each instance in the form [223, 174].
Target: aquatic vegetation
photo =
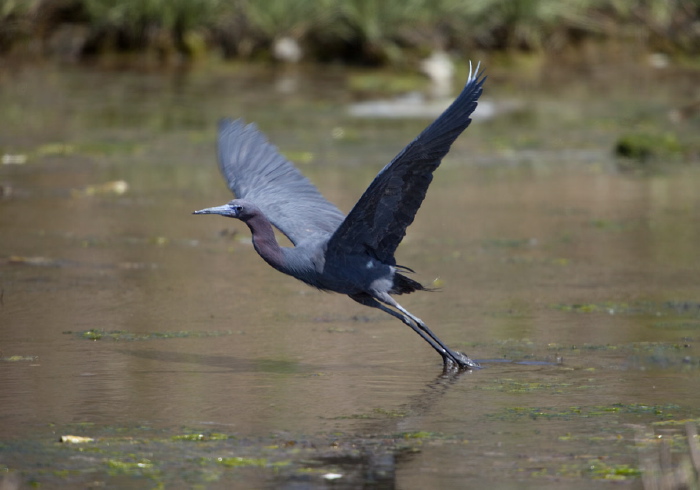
[390, 413]
[666, 308]
[608, 307]
[18, 358]
[419, 435]
[141, 467]
[683, 307]
[519, 386]
[598, 469]
[56, 149]
[638, 355]
[237, 462]
[643, 147]
[608, 225]
[547, 413]
[64, 149]
[384, 83]
[202, 437]
[601, 470]
[678, 422]
[376, 413]
[122, 335]
[644, 347]
[119, 455]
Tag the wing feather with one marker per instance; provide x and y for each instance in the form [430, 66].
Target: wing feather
[255, 170]
[378, 222]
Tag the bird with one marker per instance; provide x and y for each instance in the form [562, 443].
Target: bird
[353, 254]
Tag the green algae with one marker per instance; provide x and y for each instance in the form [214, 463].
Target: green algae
[129, 466]
[520, 386]
[568, 413]
[606, 307]
[202, 437]
[643, 147]
[421, 434]
[237, 462]
[19, 358]
[664, 308]
[678, 422]
[163, 459]
[632, 347]
[123, 335]
[609, 225]
[598, 469]
[385, 83]
[375, 413]
[390, 413]
[93, 148]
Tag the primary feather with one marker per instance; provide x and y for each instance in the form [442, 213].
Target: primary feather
[378, 222]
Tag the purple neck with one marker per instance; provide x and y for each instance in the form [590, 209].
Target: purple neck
[265, 242]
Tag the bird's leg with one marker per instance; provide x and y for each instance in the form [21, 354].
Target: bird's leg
[369, 301]
[457, 357]
[449, 356]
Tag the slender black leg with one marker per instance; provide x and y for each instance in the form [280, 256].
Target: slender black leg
[373, 303]
[457, 357]
[449, 357]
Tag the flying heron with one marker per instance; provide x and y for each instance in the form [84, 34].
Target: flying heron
[351, 254]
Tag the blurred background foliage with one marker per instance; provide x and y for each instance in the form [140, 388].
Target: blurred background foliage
[365, 32]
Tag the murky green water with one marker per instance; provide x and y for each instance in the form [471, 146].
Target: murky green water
[166, 339]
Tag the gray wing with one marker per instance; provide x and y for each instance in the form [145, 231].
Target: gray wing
[255, 171]
[378, 222]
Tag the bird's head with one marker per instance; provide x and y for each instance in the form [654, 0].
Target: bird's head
[234, 209]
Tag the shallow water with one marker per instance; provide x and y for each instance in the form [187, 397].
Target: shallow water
[125, 319]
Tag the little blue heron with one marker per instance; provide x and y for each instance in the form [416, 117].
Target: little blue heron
[351, 255]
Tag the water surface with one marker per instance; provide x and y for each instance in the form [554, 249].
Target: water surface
[126, 319]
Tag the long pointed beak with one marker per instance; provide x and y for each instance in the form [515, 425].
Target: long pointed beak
[225, 209]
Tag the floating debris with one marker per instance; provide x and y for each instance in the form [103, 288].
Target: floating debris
[115, 187]
[37, 261]
[76, 439]
[18, 358]
[332, 476]
[19, 159]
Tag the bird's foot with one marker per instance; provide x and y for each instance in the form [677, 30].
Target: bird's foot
[459, 361]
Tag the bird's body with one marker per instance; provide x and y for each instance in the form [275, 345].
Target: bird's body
[351, 255]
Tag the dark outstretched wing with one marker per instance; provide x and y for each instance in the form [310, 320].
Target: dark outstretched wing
[378, 222]
[255, 171]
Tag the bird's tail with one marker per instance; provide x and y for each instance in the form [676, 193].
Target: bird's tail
[404, 285]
